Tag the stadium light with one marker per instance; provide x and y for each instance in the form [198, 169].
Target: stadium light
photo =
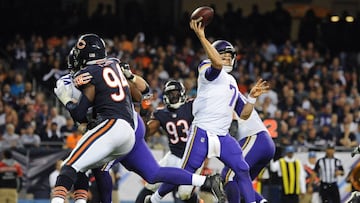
[334, 19]
[349, 19]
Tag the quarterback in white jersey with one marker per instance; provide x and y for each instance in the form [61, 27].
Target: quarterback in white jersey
[217, 98]
[215, 101]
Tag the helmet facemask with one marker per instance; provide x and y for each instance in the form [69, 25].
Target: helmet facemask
[174, 94]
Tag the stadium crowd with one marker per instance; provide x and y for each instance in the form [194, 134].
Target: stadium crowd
[314, 97]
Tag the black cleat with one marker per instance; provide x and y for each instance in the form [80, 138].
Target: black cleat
[213, 184]
[355, 151]
[354, 198]
[147, 199]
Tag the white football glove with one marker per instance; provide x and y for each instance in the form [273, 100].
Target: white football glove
[63, 92]
[68, 81]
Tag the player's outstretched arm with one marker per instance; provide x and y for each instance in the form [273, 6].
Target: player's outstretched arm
[151, 127]
[138, 81]
[211, 52]
[259, 88]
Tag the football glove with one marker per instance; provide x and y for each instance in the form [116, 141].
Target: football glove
[125, 68]
[63, 92]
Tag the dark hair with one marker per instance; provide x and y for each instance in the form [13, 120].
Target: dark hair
[7, 154]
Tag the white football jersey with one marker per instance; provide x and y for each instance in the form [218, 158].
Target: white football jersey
[215, 101]
[67, 79]
[251, 126]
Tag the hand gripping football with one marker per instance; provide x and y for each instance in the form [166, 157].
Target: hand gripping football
[207, 13]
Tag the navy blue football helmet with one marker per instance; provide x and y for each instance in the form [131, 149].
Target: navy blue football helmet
[71, 61]
[88, 49]
[223, 46]
[174, 94]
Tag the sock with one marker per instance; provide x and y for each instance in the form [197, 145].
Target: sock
[57, 200]
[80, 201]
[59, 192]
[198, 180]
[80, 196]
[155, 198]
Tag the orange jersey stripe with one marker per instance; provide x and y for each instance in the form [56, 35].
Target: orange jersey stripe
[88, 142]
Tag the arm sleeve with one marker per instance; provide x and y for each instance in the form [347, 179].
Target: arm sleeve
[239, 105]
[208, 72]
[212, 73]
[78, 110]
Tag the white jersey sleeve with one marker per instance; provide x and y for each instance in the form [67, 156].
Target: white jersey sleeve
[68, 80]
[215, 101]
[251, 126]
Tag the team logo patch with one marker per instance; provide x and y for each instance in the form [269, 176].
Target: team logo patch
[81, 44]
[82, 79]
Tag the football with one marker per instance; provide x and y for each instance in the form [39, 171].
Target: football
[204, 11]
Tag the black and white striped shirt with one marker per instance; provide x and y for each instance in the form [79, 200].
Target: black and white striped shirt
[326, 167]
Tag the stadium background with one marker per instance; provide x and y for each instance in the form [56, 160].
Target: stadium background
[334, 31]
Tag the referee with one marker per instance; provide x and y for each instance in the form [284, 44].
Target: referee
[329, 168]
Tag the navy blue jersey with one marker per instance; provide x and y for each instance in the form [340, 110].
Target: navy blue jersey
[112, 93]
[176, 123]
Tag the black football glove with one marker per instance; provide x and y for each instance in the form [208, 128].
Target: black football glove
[125, 68]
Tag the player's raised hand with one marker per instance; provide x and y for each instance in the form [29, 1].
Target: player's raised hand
[259, 88]
[196, 25]
[125, 68]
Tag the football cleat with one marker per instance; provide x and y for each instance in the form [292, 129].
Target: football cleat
[355, 151]
[213, 184]
[147, 199]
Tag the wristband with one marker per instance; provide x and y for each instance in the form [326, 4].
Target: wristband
[251, 100]
[133, 78]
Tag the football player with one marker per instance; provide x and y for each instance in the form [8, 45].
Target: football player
[258, 149]
[105, 89]
[217, 98]
[175, 118]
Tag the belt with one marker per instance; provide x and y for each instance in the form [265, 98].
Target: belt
[324, 183]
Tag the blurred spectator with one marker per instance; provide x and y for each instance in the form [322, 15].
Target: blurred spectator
[11, 115]
[10, 178]
[2, 117]
[10, 138]
[18, 86]
[72, 139]
[326, 135]
[312, 140]
[68, 128]
[29, 139]
[312, 180]
[57, 118]
[7, 97]
[52, 137]
[347, 138]
[29, 93]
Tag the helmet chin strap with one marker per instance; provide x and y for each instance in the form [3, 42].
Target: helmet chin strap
[227, 69]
